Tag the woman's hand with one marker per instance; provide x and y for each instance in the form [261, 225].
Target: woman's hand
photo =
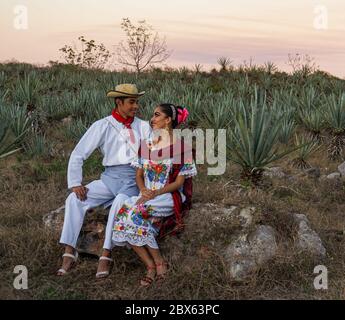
[147, 195]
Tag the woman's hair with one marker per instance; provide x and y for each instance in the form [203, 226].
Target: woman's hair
[171, 110]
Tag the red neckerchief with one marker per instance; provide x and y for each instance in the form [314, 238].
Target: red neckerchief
[173, 224]
[126, 122]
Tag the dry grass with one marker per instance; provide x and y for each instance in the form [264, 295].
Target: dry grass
[31, 188]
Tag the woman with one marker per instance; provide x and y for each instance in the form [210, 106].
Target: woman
[164, 165]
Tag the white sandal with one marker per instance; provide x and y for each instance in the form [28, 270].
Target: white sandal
[69, 255]
[104, 274]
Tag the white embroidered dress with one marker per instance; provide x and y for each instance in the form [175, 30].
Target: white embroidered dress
[139, 224]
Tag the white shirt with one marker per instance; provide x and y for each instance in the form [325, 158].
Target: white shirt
[114, 143]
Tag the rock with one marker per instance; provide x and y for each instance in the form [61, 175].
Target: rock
[246, 216]
[91, 237]
[334, 175]
[274, 172]
[250, 251]
[307, 239]
[341, 169]
[223, 214]
[54, 219]
[243, 217]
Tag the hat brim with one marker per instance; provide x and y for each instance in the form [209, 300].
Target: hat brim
[116, 94]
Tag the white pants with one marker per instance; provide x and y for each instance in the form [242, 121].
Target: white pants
[75, 211]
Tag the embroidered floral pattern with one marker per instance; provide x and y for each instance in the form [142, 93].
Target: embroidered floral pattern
[140, 224]
[123, 212]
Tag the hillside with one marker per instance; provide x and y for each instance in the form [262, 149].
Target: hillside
[46, 110]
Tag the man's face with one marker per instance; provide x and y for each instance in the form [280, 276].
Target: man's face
[129, 107]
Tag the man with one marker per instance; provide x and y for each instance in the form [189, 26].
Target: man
[118, 137]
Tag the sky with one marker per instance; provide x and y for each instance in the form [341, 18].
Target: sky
[197, 31]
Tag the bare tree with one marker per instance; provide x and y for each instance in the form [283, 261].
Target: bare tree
[142, 48]
[198, 68]
[302, 64]
[225, 63]
[270, 67]
[88, 55]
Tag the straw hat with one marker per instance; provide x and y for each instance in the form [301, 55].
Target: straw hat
[125, 90]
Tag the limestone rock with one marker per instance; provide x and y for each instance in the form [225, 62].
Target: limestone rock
[274, 172]
[224, 214]
[307, 239]
[54, 219]
[246, 216]
[91, 237]
[250, 251]
[341, 169]
[333, 175]
[242, 217]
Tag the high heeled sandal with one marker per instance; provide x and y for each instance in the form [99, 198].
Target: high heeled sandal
[104, 274]
[63, 271]
[147, 279]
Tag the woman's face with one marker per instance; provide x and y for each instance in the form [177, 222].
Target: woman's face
[160, 120]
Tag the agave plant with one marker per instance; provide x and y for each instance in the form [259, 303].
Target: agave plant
[3, 96]
[36, 146]
[242, 85]
[306, 146]
[26, 91]
[102, 110]
[54, 107]
[253, 141]
[8, 145]
[309, 98]
[193, 101]
[313, 120]
[309, 111]
[76, 129]
[2, 78]
[270, 67]
[217, 113]
[288, 126]
[20, 122]
[334, 112]
[17, 119]
[266, 80]
[283, 110]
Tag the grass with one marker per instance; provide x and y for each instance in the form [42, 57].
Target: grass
[31, 186]
[198, 269]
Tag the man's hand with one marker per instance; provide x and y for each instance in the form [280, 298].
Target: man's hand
[81, 192]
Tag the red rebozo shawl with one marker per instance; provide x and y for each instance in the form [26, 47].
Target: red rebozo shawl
[181, 153]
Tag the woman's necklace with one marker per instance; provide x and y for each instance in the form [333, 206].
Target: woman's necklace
[161, 143]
